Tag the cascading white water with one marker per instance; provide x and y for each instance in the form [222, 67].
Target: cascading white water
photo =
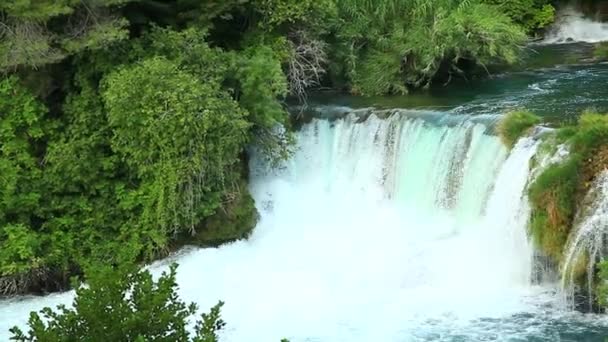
[588, 242]
[379, 230]
[572, 26]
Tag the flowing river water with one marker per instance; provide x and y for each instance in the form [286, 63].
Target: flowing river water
[394, 224]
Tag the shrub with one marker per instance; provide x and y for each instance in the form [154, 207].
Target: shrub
[554, 193]
[592, 133]
[514, 125]
[181, 140]
[602, 290]
[552, 198]
[383, 46]
[123, 305]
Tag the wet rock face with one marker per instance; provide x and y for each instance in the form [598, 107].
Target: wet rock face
[544, 269]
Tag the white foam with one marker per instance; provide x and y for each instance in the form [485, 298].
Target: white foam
[572, 26]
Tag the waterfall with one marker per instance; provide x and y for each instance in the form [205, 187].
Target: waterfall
[572, 26]
[587, 242]
[378, 229]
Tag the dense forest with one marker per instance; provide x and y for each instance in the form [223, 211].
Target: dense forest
[126, 128]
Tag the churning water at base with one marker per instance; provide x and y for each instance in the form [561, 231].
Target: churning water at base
[408, 228]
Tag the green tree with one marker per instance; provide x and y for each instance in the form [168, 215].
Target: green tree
[181, 140]
[23, 129]
[35, 33]
[387, 45]
[123, 305]
[530, 14]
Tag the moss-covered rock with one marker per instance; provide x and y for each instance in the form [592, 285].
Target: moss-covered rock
[235, 220]
[558, 196]
[514, 125]
[553, 209]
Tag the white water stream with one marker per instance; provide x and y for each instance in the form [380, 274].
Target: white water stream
[573, 26]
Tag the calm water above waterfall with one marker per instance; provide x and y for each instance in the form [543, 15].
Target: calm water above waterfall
[399, 225]
[548, 84]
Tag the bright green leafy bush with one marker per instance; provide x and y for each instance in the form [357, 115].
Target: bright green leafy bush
[531, 14]
[135, 308]
[555, 192]
[514, 125]
[394, 43]
[552, 197]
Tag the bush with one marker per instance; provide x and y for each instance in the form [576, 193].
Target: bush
[515, 124]
[123, 305]
[531, 14]
[554, 193]
[552, 197]
[181, 140]
[386, 45]
[602, 290]
[592, 133]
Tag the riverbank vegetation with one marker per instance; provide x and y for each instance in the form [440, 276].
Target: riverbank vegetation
[137, 308]
[514, 125]
[557, 192]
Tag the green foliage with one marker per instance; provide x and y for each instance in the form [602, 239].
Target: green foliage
[82, 180]
[602, 293]
[23, 127]
[135, 308]
[254, 75]
[21, 250]
[379, 72]
[278, 12]
[600, 50]
[564, 134]
[554, 193]
[234, 221]
[152, 106]
[190, 50]
[37, 10]
[179, 137]
[98, 36]
[552, 197]
[514, 125]
[36, 33]
[260, 82]
[531, 14]
[592, 133]
[389, 44]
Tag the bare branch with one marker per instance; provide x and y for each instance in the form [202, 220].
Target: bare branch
[306, 65]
